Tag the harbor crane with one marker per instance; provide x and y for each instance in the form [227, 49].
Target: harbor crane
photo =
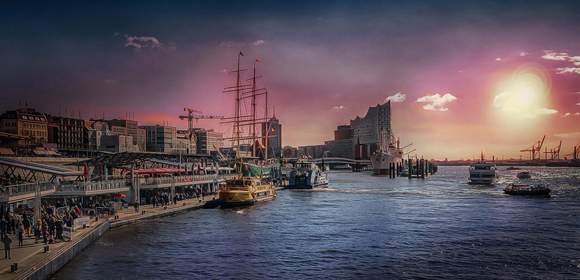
[535, 149]
[575, 153]
[196, 115]
[554, 152]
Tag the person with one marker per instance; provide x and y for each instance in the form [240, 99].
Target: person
[3, 227]
[7, 243]
[20, 233]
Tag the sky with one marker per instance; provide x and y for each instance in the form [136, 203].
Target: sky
[463, 77]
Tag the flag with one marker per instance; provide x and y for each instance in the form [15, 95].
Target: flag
[258, 60]
[241, 53]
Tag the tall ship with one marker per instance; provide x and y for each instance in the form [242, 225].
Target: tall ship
[389, 150]
[254, 184]
[307, 175]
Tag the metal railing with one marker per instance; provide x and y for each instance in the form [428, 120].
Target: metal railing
[6, 192]
[96, 186]
[181, 179]
[71, 188]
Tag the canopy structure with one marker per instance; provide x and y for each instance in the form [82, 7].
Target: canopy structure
[19, 171]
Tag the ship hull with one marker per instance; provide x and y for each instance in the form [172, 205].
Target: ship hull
[381, 163]
[246, 196]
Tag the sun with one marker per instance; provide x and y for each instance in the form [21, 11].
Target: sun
[523, 96]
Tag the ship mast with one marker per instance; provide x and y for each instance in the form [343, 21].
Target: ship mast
[254, 112]
[244, 90]
[237, 116]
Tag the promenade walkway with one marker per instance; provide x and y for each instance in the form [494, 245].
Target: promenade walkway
[32, 256]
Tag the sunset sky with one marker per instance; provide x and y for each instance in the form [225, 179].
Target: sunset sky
[463, 76]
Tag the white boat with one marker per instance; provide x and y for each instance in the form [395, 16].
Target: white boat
[307, 175]
[389, 152]
[482, 173]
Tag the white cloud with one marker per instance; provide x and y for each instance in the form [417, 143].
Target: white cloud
[141, 42]
[575, 60]
[498, 59]
[577, 114]
[522, 53]
[552, 55]
[578, 103]
[259, 42]
[397, 97]
[564, 70]
[568, 135]
[437, 102]
[566, 115]
[564, 56]
[338, 107]
[546, 111]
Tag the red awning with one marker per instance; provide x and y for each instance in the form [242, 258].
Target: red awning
[158, 170]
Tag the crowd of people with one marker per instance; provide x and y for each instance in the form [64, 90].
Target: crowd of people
[20, 224]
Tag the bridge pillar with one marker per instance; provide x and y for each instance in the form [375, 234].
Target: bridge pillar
[37, 203]
[134, 192]
[172, 189]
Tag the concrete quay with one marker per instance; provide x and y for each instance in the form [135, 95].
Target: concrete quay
[34, 263]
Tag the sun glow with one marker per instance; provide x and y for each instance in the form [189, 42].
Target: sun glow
[523, 96]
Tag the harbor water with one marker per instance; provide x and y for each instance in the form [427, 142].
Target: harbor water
[362, 227]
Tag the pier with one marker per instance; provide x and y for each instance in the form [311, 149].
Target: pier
[152, 186]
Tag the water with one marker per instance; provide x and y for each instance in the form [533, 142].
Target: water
[361, 227]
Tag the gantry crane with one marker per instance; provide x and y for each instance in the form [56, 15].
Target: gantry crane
[536, 148]
[555, 152]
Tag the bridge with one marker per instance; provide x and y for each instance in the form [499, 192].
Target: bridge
[341, 160]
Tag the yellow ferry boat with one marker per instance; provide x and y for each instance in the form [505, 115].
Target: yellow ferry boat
[245, 191]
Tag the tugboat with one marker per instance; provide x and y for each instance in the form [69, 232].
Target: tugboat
[524, 175]
[527, 189]
[307, 175]
[482, 173]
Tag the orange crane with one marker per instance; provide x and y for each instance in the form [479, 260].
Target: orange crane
[193, 114]
[536, 148]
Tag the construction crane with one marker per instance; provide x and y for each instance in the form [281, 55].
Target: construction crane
[196, 115]
[536, 148]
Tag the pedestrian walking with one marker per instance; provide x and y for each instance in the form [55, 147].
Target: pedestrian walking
[20, 233]
[7, 243]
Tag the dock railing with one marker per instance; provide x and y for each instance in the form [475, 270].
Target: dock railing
[96, 186]
[25, 191]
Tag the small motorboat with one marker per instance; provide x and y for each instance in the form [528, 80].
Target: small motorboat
[513, 168]
[524, 175]
[527, 189]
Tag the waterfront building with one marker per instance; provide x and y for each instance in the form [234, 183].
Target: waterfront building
[343, 132]
[208, 141]
[67, 133]
[312, 151]
[290, 152]
[273, 129]
[366, 130]
[95, 130]
[26, 123]
[160, 138]
[129, 128]
[340, 148]
[185, 143]
[117, 143]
